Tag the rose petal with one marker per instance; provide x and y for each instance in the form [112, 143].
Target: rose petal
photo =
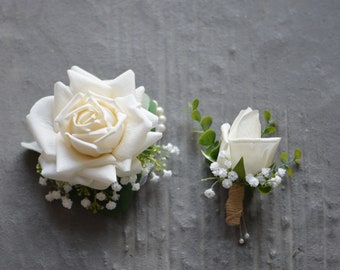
[128, 167]
[80, 83]
[99, 177]
[40, 122]
[257, 153]
[32, 146]
[246, 125]
[137, 126]
[151, 138]
[224, 143]
[70, 160]
[123, 85]
[140, 94]
[62, 95]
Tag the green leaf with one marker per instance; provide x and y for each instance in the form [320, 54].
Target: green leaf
[207, 138]
[196, 115]
[239, 169]
[152, 106]
[195, 103]
[267, 116]
[206, 122]
[264, 189]
[297, 154]
[284, 157]
[212, 151]
[269, 130]
[289, 171]
[297, 161]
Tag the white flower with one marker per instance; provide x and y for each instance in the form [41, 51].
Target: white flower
[209, 193]
[167, 173]
[85, 202]
[100, 196]
[214, 166]
[281, 172]
[49, 197]
[147, 169]
[116, 187]
[66, 202]
[222, 173]
[154, 177]
[275, 181]
[252, 180]
[232, 175]
[227, 183]
[243, 139]
[56, 194]
[261, 179]
[42, 181]
[135, 186]
[67, 188]
[172, 149]
[92, 131]
[265, 171]
[115, 196]
[125, 180]
[111, 205]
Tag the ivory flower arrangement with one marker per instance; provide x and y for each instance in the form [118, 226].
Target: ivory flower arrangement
[97, 140]
[242, 158]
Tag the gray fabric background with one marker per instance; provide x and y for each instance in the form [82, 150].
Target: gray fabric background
[280, 55]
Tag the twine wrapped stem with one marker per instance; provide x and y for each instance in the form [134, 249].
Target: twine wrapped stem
[234, 205]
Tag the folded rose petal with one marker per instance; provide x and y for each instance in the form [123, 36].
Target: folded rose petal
[123, 85]
[246, 125]
[257, 153]
[79, 83]
[40, 122]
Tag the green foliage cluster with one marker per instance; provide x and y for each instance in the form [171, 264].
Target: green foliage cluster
[207, 135]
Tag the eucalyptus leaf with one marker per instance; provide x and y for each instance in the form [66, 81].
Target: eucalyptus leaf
[195, 104]
[269, 130]
[206, 122]
[289, 171]
[152, 106]
[264, 189]
[207, 138]
[284, 157]
[196, 115]
[267, 116]
[297, 154]
[207, 156]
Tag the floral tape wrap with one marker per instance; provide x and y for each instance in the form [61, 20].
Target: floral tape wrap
[234, 205]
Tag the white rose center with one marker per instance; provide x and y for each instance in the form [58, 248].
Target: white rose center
[91, 124]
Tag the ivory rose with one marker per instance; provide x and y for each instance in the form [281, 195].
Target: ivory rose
[92, 131]
[243, 139]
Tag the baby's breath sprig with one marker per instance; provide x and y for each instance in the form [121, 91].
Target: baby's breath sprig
[116, 197]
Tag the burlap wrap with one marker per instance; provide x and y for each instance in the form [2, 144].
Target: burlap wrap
[234, 205]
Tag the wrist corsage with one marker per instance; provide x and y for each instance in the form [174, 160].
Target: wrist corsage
[97, 141]
[242, 159]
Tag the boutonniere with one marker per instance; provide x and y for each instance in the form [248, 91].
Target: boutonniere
[243, 157]
[97, 140]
